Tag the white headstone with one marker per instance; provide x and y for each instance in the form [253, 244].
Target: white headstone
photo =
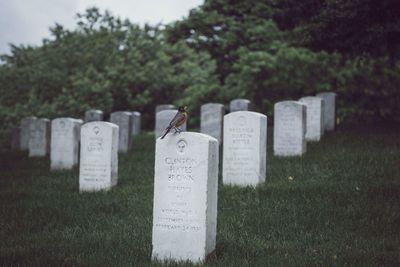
[289, 128]
[136, 123]
[124, 120]
[163, 118]
[212, 116]
[16, 138]
[164, 107]
[185, 197]
[329, 110]
[239, 105]
[39, 139]
[245, 148]
[64, 149]
[93, 115]
[315, 119]
[98, 168]
[26, 132]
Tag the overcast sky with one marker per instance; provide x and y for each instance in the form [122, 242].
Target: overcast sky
[28, 21]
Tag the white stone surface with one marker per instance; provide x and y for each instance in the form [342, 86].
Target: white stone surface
[64, 149]
[239, 105]
[329, 110]
[163, 118]
[315, 119]
[16, 138]
[136, 122]
[98, 168]
[245, 148]
[26, 131]
[39, 138]
[212, 117]
[185, 197]
[289, 128]
[93, 115]
[124, 121]
[164, 107]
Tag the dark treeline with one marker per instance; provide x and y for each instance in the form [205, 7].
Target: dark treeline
[265, 51]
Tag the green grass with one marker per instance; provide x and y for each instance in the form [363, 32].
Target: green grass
[341, 209]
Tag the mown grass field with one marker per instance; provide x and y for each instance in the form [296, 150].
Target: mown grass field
[342, 208]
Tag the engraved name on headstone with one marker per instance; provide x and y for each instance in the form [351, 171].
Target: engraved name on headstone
[39, 139]
[136, 123]
[26, 132]
[212, 116]
[64, 149]
[98, 168]
[124, 120]
[185, 197]
[329, 110]
[315, 119]
[245, 148]
[93, 115]
[163, 118]
[289, 128]
[239, 105]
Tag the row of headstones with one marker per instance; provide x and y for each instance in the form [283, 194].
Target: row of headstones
[186, 171]
[60, 137]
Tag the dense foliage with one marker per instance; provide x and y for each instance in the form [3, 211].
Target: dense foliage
[265, 51]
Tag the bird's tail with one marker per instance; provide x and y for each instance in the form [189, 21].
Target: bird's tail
[166, 132]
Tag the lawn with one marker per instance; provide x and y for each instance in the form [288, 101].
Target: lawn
[338, 205]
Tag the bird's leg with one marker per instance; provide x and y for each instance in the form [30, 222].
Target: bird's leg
[176, 130]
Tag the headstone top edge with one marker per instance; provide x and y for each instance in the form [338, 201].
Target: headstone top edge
[310, 97]
[246, 112]
[326, 93]
[168, 111]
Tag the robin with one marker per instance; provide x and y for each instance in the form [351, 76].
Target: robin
[179, 119]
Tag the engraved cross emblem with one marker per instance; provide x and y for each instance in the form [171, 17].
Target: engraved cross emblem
[181, 146]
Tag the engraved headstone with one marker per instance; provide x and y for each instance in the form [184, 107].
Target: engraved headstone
[239, 105]
[164, 107]
[124, 120]
[98, 168]
[64, 149]
[136, 123]
[329, 110]
[163, 118]
[93, 115]
[289, 128]
[185, 197]
[315, 119]
[26, 132]
[16, 138]
[245, 148]
[39, 139]
[212, 115]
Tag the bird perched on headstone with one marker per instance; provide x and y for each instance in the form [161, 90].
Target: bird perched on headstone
[179, 119]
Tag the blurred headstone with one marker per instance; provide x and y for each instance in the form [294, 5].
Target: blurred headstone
[136, 123]
[240, 105]
[39, 139]
[124, 120]
[64, 149]
[329, 110]
[212, 115]
[26, 131]
[93, 115]
[289, 128]
[315, 119]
